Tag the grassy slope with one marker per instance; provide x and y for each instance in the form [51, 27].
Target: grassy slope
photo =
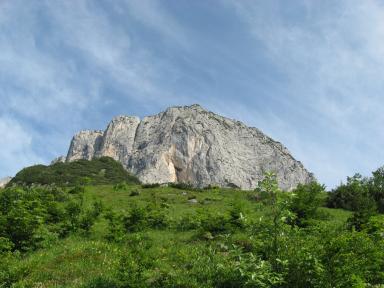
[77, 259]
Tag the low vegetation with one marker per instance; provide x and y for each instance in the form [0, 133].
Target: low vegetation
[130, 235]
[103, 170]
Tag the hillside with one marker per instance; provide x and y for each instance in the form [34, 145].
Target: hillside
[149, 236]
[103, 170]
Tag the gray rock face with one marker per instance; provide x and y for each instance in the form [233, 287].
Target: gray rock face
[60, 159]
[117, 141]
[190, 144]
[5, 181]
[85, 145]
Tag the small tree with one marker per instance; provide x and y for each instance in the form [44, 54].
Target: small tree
[278, 204]
[376, 188]
[307, 199]
[365, 208]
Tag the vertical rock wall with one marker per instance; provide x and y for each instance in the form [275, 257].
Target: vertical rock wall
[190, 144]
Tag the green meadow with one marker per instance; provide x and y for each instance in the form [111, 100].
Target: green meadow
[131, 235]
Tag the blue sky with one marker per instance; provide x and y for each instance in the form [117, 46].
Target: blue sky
[307, 73]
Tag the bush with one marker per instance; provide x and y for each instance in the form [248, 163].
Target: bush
[122, 186]
[103, 170]
[237, 215]
[365, 208]
[308, 198]
[101, 282]
[34, 217]
[376, 188]
[189, 221]
[347, 195]
[375, 227]
[134, 193]
[153, 185]
[11, 270]
[77, 190]
[215, 223]
[353, 259]
[116, 231]
[184, 186]
[137, 219]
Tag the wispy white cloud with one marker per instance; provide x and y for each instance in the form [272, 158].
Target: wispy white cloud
[307, 73]
[16, 147]
[153, 15]
[333, 58]
[58, 57]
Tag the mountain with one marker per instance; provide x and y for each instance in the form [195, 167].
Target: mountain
[192, 145]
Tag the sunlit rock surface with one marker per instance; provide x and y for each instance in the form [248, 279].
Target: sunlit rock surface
[190, 144]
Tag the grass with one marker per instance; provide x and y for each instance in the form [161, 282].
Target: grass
[74, 261]
[70, 264]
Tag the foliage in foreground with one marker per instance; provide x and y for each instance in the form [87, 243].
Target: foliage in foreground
[360, 193]
[155, 237]
[34, 217]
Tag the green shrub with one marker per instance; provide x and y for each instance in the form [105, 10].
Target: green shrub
[353, 259]
[134, 193]
[103, 170]
[308, 198]
[34, 217]
[245, 270]
[136, 219]
[6, 245]
[101, 282]
[122, 186]
[153, 185]
[237, 215]
[215, 223]
[366, 207]
[349, 196]
[11, 270]
[87, 220]
[189, 221]
[376, 188]
[185, 186]
[77, 190]
[116, 231]
[375, 227]
[302, 256]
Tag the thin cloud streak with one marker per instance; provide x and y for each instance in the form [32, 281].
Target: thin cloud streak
[335, 63]
[309, 74]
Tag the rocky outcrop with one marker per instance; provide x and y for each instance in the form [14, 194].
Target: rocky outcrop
[118, 138]
[85, 145]
[5, 181]
[190, 144]
[60, 159]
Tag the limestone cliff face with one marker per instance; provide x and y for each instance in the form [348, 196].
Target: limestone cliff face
[118, 138]
[190, 144]
[85, 145]
[5, 181]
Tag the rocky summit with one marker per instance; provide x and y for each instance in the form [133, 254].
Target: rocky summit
[192, 145]
[5, 181]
